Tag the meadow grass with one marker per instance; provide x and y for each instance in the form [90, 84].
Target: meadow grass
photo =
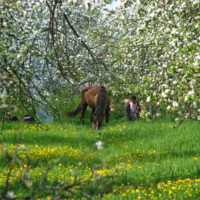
[152, 159]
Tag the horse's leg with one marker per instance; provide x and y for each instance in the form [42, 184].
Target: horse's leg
[107, 115]
[92, 120]
[83, 108]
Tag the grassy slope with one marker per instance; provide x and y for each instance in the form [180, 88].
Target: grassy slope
[154, 157]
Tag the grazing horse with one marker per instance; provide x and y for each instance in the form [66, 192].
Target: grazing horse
[10, 118]
[98, 99]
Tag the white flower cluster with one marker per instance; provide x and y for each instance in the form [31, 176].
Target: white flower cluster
[99, 145]
[175, 104]
[157, 58]
[148, 99]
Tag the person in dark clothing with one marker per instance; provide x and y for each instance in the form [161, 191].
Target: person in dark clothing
[133, 109]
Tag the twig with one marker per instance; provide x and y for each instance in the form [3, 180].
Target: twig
[85, 45]
[2, 131]
[183, 118]
[43, 178]
[156, 113]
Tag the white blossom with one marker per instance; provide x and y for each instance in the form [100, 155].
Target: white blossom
[87, 4]
[168, 107]
[163, 94]
[196, 2]
[186, 115]
[186, 98]
[167, 90]
[175, 104]
[172, 44]
[148, 99]
[179, 70]
[191, 93]
[194, 104]
[198, 57]
[176, 67]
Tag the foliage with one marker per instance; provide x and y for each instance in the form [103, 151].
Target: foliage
[118, 107]
[64, 102]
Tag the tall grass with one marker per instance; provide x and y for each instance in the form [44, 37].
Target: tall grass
[153, 160]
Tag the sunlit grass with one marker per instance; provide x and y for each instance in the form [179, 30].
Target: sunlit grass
[154, 160]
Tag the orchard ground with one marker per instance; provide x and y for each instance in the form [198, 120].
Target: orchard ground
[151, 160]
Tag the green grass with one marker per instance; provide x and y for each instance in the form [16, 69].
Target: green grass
[154, 161]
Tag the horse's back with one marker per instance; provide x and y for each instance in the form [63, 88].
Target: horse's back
[94, 90]
[90, 95]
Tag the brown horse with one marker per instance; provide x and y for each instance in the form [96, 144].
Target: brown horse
[98, 99]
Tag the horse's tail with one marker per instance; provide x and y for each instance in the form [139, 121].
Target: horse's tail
[75, 112]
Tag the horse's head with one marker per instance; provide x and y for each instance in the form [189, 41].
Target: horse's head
[97, 118]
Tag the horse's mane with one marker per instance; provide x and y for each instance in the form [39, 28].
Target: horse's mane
[101, 101]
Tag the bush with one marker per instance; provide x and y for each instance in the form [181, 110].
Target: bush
[117, 107]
